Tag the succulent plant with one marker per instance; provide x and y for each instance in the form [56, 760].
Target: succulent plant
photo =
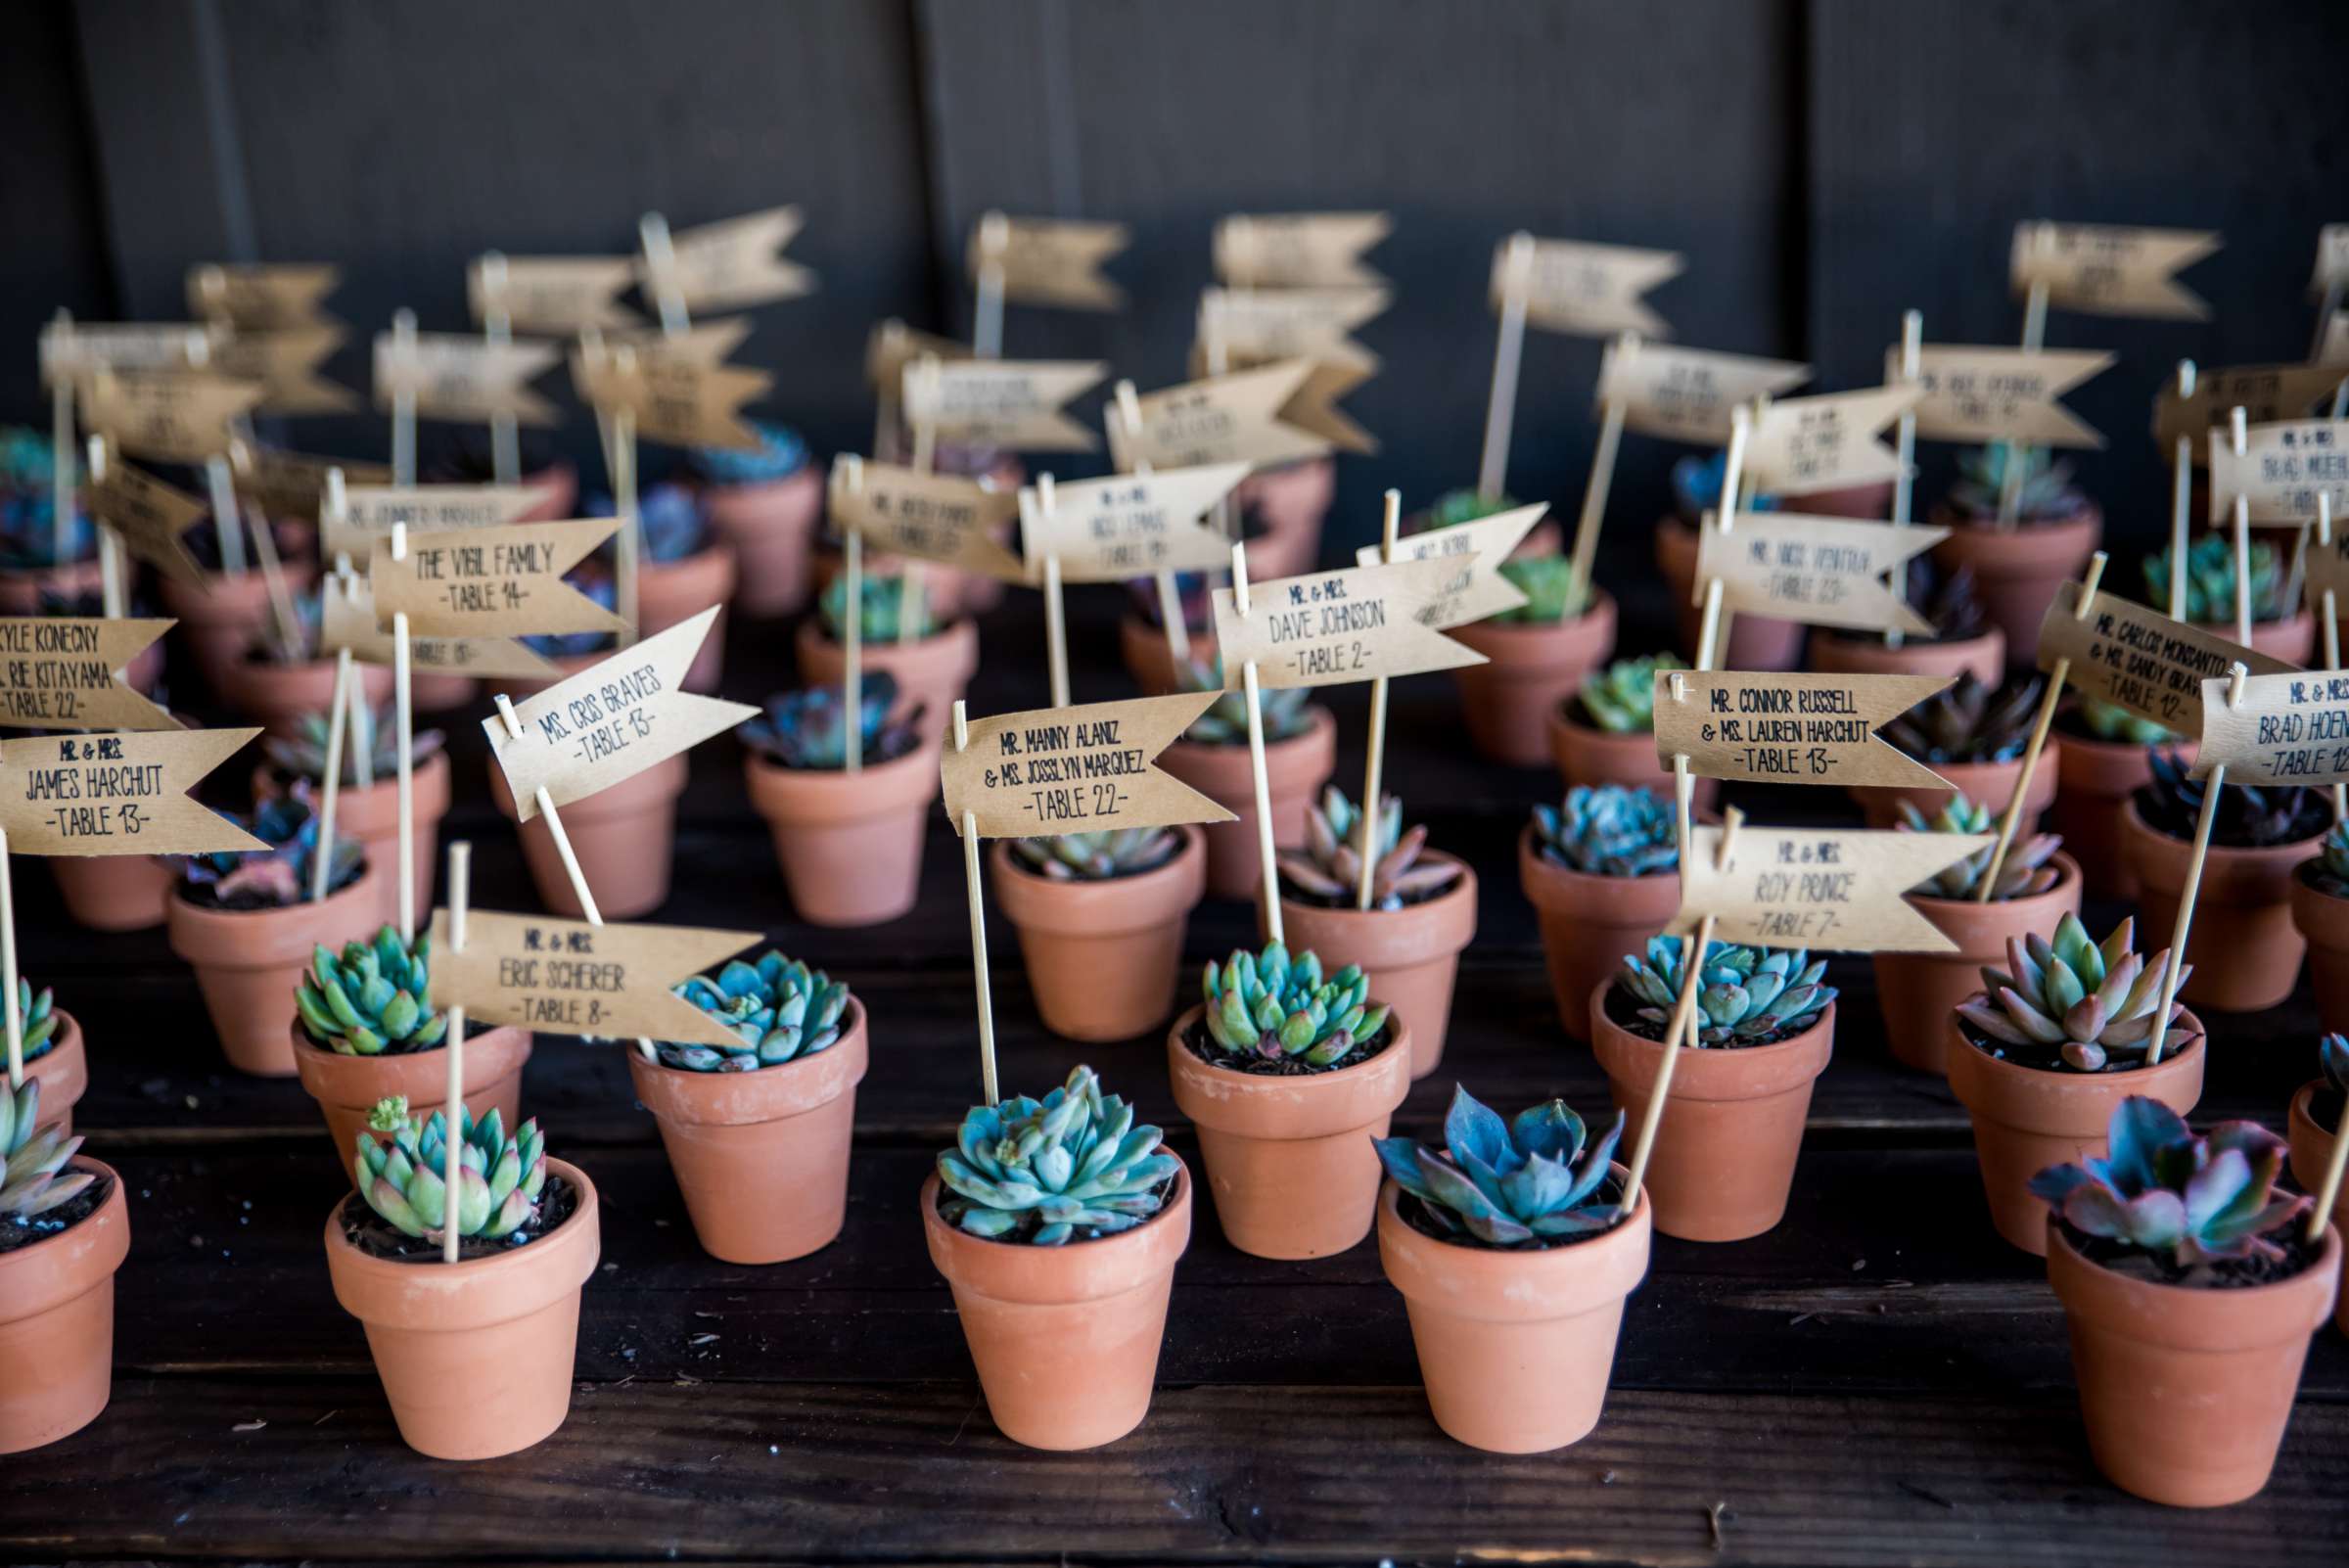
[782, 1009]
[1190, 591]
[1071, 1166]
[291, 642]
[2110, 721]
[1520, 1183]
[370, 999]
[2329, 872]
[2048, 494]
[1454, 507]
[1271, 1005]
[498, 1179]
[2074, 1003]
[1609, 830]
[272, 878]
[1746, 995]
[880, 605]
[2026, 870]
[1620, 699]
[29, 1185]
[37, 1021]
[592, 577]
[28, 506]
[670, 524]
[302, 755]
[1283, 713]
[1970, 723]
[1097, 856]
[1552, 594]
[2246, 815]
[809, 728]
[1329, 867]
[2210, 580]
[780, 453]
[2160, 1189]
[1944, 598]
[1696, 488]
[2332, 1082]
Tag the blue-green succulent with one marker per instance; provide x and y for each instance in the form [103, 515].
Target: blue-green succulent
[1071, 1166]
[1746, 995]
[1518, 1183]
[782, 1009]
[498, 1179]
[2162, 1190]
[1609, 830]
[1269, 1005]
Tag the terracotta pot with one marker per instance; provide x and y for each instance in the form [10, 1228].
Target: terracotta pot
[769, 527]
[476, 1357]
[626, 840]
[437, 692]
[1489, 1325]
[347, 1087]
[22, 591]
[2185, 1392]
[2093, 781]
[371, 815]
[64, 1073]
[1866, 502]
[56, 1322]
[1295, 770]
[1149, 659]
[220, 621]
[281, 696]
[1589, 754]
[781, 1132]
[670, 593]
[1529, 669]
[1919, 991]
[558, 488]
[2292, 639]
[1104, 958]
[2311, 1152]
[2322, 919]
[1411, 955]
[114, 891]
[850, 843]
[1723, 1163]
[1754, 642]
[1267, 1140]
[1983, 657]
[2017, 571]
[1589, 922]
[933, 673]
[1289, 503]
[250, 962]
[2027, 1119]
[1989, 784]
[2244, 947]
[1028, 1313]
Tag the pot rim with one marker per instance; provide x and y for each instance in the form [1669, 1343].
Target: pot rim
[2189, 1318]
[444, 1305]
[908, 779]
[2088, 1086]
[1766, 1061]
[1445, 909]
[1576, 886]
[104, 1237]
[1321, 726]
[1166, 892]
[1263, 1091]
[959, 629]
[314, 1059]
[1080, 1262]
[1540, 1286]
[2133, 819]
[2067, 875]
[850, 1055]
[184, 917]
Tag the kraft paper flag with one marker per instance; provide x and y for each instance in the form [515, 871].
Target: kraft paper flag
[1238, 418]
[567, 977]
[1133, 525]
[1591, 290]
[1988, 393]
[464, 380]
[1054, 262]
[705, 342]
[172, 416]
[1686, 394]
[149, 516]
[371, 511]
[732, 263]
[1826, 442]
[495, 583]
[2103, 269]
[892, 346]
[934, 517]
[610, 721]
[1012, 404]
[2132, 653]
[2286, 729]
[294, 484]
[2267, 395]
[65, 673]
[1822, 570]
[2281, 471]
[555, 296]
[681, 395]
[2328, 567]
[2334, 351]
[1783, 728]
[1260, 326]
[347, 619]
[1476, 588]
[286, 363]
[1837, 889]
[1298, 250]
[1085, 769]
[2333, 260]
[260, 296]
[119, 794]
[1328, 629]
[71, 350]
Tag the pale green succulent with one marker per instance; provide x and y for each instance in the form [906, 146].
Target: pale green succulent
[2026, 870]
[36, 1019]
[1267, 1004]
[498, 1179]
[1282, 711]
[1620, 699]
[2074, 1002]
[31, 1186]
[1072, 1166]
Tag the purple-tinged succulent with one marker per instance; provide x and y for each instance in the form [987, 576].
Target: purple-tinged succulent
[809, 728]
[274, 878]
[2163, 1190]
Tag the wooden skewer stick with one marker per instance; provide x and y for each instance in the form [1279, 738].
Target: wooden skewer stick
[1903, 484]
[2329, 612]
[2181, 501]
[660, 260]
[2242, 541]
[627, 546]
[404, 716]
[460, 889]
[227, 529]
[1124, 420]
[1256, 759]
[2017, 802]
[968, 828]
[1372, 783]
[848, 472]
[1597, 489]
[61, 459]
[1508, 349]
[1056, 626]
[403, 399]
[2193, 885]
[2035, 335]
[273, 572]
[8, 969]
[110, 575]
[987, 323]
[497, 326]
[330, 787]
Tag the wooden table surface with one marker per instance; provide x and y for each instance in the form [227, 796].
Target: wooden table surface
[1880, 1379]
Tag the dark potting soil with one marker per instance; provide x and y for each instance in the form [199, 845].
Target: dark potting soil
[366, 1230]
[205, 894]
[2228, 1273]
[1623, 1010]
[2049, 1058]
[2312, 814]
[63, 1218]
[947, 1198]
[1415, 1215]
[1203, 1045]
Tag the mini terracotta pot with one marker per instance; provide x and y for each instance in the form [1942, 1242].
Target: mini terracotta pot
[558, 488]
[281, 696]
[64, 1073]
[2018, 570]
[1990, 784]
[625, 838]
[114, 891]
[248, 963]
[2094, 780]
[1589, 754]
[2244, 947]
[1754, 642]
[2323, 920]
[2185, 1392]
[850, 843]
[2311, 1152]
[1410, 956]
[220, 621]
[1529, 669]
[371, 815]
[1866, 502]
[1919, 991]
[1289, 503]
[671, 592]
[1589, 922]
[1723, 1163]
[2292, 638]
[736, 1140]
[1267, 1139]
[347, 1087]
[769, 527]
[1150, 662]
[1489, 1325]
[22, 591]
[933, 672]
[1295, 770]
[1028, 1313]
[56, 1322]
[2027, 1119]
[1103, 957]
[476, 1357]
[1983, 657]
